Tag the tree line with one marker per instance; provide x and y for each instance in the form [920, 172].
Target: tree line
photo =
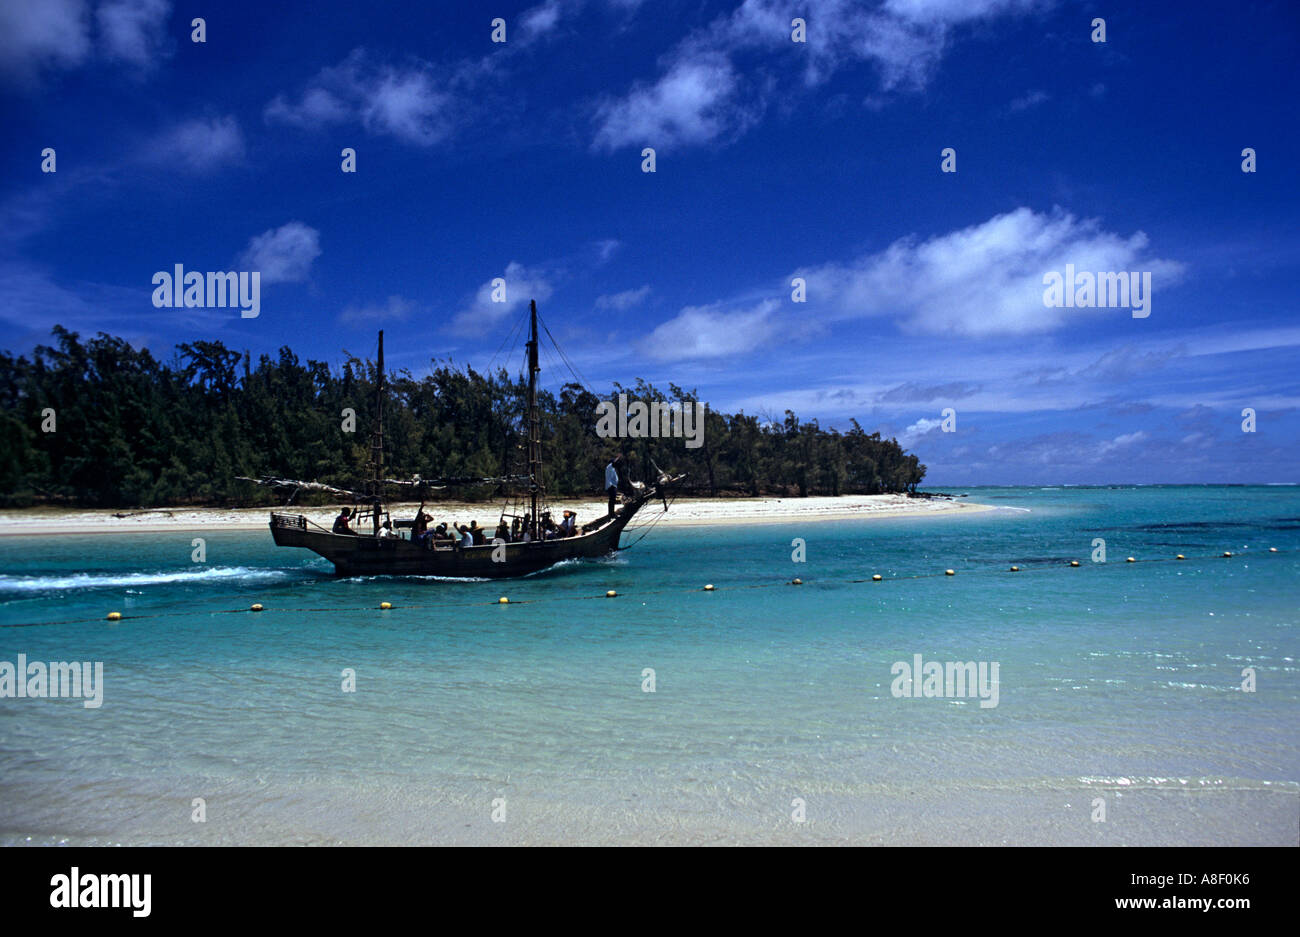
[101, 423]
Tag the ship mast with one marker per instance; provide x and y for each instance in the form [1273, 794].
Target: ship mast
[534, 419]
[377, 437]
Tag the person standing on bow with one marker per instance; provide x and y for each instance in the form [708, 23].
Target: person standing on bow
[612, 480]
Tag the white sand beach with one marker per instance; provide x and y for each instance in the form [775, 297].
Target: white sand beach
[45, 521]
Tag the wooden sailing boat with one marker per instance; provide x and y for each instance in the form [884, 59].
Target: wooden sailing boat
[370, 554]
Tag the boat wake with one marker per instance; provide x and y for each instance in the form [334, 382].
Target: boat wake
[118, 580]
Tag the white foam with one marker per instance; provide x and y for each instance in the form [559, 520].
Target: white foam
[91, 581]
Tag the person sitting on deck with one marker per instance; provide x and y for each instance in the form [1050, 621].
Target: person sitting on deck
[341, 523]
[440, 532]
[503, 532]
[568, 526]
[514, 530]
[466, 538]
[386, 532]
[476, 534]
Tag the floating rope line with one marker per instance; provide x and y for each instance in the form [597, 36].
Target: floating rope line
[258, 608]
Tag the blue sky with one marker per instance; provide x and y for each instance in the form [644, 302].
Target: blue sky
[774, 160]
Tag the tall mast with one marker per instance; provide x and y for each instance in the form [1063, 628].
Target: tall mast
[534, 418]
[377, 438]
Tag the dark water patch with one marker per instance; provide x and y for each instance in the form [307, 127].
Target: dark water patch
[1281, 523]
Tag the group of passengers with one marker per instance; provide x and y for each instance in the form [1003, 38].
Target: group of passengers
[471, 535]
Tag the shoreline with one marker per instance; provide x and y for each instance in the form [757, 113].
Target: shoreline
[694, 512]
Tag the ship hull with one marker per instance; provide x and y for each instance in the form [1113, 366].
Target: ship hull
[372, 556]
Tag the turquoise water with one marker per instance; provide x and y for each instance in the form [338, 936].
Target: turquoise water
[1117, 682]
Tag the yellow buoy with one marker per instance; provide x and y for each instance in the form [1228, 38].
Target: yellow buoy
[796, 582]
[876, 577]
[709, 587]
[1180, 557]
[610, 594]
[1015, 569]
[114, 616]
[1130, 560]
[385, 605]
[255, 607]
[949, 572]
[503, 601]
[1074, 562]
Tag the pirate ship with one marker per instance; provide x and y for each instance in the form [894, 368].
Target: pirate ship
[368, 551]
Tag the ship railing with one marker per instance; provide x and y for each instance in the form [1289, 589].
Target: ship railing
[295, 521]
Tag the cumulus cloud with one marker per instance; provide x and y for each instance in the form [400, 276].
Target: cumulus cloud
[199, 145]
[521, 285]
[986, 279]
[133, 30]
[700, 96]
[624, 300]
[1122, 441]
[540, 20]
[39, 34]
[981, 281]
[919, 430]
[405, 102]
[283, 254]
[692, 103]
[713, 331]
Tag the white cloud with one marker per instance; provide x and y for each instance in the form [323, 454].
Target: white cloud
[133, 30]
[38, 34]
[46, 35]
[407, 102]
[1119, 442]
[983, 280]
[284, 254]
[713, 331]
[407, 105]
[917, 431]
[607, 248]
[1027, 101]
[701, 97]
[200, 145]
[395, 308]
[540, 20]
[691, 103]
[521, 285]
[624, 300]
[318, 107]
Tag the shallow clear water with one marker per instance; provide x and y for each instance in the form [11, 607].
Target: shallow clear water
[1116, 681]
